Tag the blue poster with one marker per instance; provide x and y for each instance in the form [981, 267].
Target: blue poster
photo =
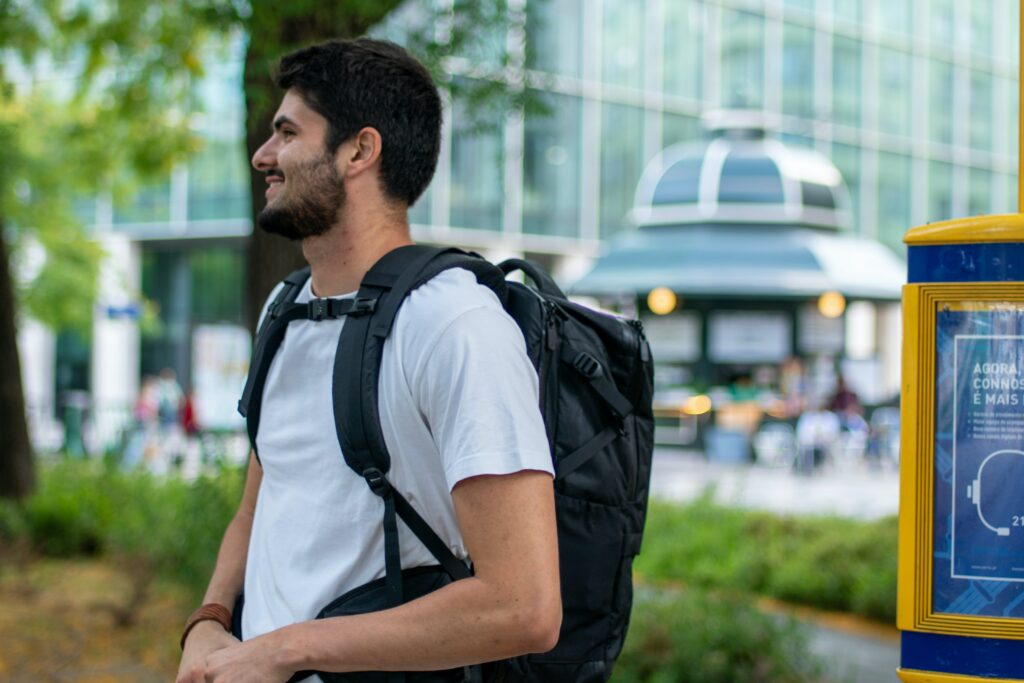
[979, 461]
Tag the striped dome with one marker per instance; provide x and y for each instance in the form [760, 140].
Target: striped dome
[741, 176]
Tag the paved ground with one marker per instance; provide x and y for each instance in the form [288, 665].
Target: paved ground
[850, 490]
[856, 652]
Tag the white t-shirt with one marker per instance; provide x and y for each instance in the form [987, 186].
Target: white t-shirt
[458, 398]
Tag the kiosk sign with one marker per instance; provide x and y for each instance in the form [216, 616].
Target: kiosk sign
[979, 463]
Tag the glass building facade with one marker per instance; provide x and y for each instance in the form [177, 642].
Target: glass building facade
[914, 100]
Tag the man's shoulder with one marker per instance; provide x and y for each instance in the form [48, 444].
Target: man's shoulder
[436, 304]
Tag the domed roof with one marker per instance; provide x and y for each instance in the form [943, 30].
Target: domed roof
[741, 176]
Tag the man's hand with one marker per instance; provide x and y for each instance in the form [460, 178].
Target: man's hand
[260, 660]
[205, 638]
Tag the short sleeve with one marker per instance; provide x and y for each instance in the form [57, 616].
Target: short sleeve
[479, 394]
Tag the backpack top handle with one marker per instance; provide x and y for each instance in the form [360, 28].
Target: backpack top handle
[544, 283]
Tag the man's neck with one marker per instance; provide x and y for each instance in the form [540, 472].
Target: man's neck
[341, 257]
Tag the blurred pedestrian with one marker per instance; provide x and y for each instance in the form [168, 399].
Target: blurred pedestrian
[817, 431]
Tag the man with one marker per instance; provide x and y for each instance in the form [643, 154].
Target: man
[354, 143]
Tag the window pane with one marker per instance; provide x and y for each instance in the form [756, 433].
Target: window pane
[979, 192]
[847, 160]
[981, 27]
[894, 15]
[798, 71]
[150, 204]
[848, 10]
[553, 41]
[622, 48]
[742, 59]
[218, 181]
[684, 46]
[940, 94]
[941, 32]
[216, 291]
[846, 80]
[747, 179]
[551, 168]
[621, 163]
[940, 191]
[981, 111]
[894, 107]
[420, 211]
[477, 177]
[799, 5]
[893, 198]
[676, 128]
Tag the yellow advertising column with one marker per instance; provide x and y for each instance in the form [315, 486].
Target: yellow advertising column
[961, 563]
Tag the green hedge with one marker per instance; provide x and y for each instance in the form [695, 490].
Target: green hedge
[90, 508]
[693, 636]
[825, 562]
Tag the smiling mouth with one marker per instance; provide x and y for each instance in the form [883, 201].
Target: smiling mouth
[274, 178]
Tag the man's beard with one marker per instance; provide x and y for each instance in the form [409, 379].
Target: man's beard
[315, 193]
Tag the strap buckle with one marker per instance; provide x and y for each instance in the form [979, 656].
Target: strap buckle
[319, 309]
[587, 365]
[377, 482]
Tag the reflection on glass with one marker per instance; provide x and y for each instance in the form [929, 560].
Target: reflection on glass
[940, 92]
[893, 15]
[893, 198]
[477, 172]
[941, 13]
[846, 80]
[981, 27]
[848, 10]
[847, 160]
[980, 132]
[979, 192]
[621, 163]
[676, 128]
[684, 45]
[622, 45]
[742, 59]
[553, 36]
[551, 168]
[798, 71]
[218, 181]
[940, 191]
[150, 204]
[894, 82]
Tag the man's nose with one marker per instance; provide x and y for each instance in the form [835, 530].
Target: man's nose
[265, 157]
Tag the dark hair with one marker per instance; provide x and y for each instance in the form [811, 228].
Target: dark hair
[375, 83]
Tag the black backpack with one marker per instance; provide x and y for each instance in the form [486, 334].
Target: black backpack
[595, 375]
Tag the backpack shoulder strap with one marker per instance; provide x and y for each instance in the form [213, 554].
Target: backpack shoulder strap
[268, 339]
[355, 389]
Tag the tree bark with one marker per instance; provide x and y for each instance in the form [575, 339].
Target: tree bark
[17, 476]
[274, 30]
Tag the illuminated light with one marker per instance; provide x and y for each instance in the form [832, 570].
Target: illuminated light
[697, 405]
[661, 301]
[831, 304]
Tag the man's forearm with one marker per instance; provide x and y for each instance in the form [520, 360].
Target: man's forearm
[465, 622]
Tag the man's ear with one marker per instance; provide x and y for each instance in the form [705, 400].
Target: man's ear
[360, 153]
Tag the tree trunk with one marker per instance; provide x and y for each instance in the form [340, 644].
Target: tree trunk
[17, 477]
[274, 30]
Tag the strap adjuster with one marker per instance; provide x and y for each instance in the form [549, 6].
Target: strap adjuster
[587, 365]
[362, 306]
[377, 482]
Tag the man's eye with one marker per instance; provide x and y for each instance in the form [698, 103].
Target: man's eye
[287, 133]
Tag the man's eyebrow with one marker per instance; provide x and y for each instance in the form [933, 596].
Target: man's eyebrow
[283, 121]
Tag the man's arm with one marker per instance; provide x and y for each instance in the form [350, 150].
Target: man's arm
[511, 606]
[226, 582]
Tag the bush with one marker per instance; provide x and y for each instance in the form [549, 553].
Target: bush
[693, 636]
[824, 562]
[88, 507]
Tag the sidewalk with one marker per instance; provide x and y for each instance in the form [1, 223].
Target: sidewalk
[853, 490]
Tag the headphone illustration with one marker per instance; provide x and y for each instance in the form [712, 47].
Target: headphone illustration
[974, 491]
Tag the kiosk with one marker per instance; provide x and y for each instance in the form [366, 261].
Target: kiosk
[961, 561]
